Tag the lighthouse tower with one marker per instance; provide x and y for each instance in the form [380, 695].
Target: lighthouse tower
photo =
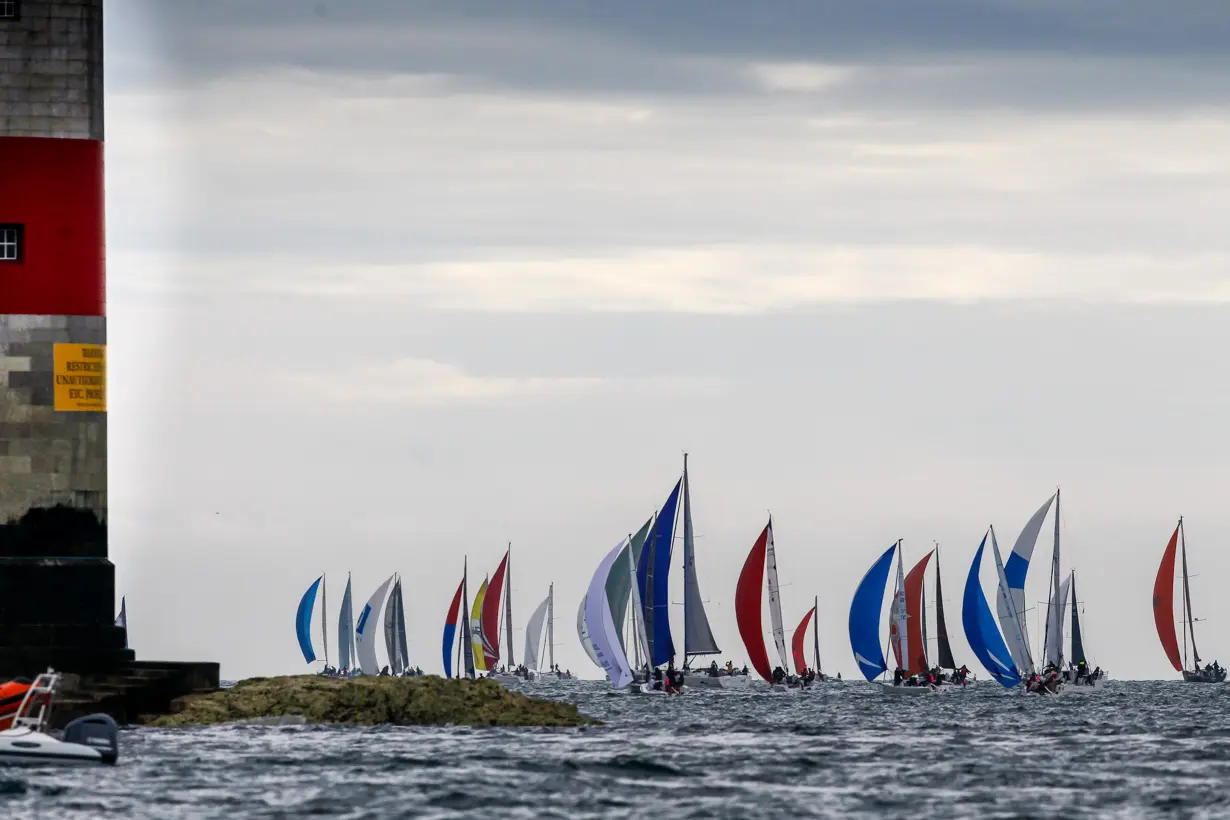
[57, 586]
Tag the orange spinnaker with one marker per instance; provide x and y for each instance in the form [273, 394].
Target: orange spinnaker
[917, 662]
[796, 643]
[748, 609]
[1163, 604]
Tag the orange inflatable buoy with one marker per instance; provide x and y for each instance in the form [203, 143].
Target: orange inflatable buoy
[11, 695]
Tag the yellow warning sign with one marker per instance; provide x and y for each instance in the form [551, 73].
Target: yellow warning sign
[81, 377]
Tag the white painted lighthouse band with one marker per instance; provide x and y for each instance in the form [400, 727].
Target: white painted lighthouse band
[57, 586]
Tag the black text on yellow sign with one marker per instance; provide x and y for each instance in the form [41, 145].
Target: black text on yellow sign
[81, 377]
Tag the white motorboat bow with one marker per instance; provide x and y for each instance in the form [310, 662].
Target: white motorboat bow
[89, 739]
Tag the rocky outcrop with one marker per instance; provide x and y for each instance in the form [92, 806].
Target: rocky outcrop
[419, 701]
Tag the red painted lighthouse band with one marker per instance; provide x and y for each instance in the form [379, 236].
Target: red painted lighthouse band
[53, 187]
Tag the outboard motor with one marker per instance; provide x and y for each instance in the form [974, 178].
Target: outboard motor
[97, 732]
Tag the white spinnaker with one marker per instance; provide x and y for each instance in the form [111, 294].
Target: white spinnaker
[533, 634]
[367, 629]
[583, 634]
[1054, 632]
[899, 613]
[1013, 607]
[600, 624]
[775, 600]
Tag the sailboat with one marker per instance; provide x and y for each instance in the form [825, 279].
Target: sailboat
[797, 650]
[982, 630]
[303, 622]
[347, 660]
[456, 621]
[395, 631]
[497, 592]
[1163, 615]
[542, 617]
[864, 625]
[944, 658]
[760, 561]
[653, 563]
[1078, 673]
[917, 663]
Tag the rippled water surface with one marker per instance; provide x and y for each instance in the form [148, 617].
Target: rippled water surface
[1129, 750]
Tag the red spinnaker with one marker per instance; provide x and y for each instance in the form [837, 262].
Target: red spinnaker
[1163, 604]
[917, 662]
[796, 643]
[748, 608]
[455, 606]
[491, 616]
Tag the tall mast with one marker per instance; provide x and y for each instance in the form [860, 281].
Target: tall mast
[324, 610]
[1054, 616]
[551, 624]
[647, 603]
[508, 641]
[467, 639]
[1187, 602]
[815, 630]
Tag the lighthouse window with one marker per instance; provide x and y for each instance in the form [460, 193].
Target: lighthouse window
[10, 243]
[9, 9]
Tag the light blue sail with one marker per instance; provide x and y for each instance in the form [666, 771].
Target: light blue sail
[982, 630]
[303, 621]
[865, 617]
[652, 575]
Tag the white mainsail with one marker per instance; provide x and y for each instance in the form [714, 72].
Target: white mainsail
[583, 633]
[902, 636]
[1014, 629]
[533, 634]
[367, 628]
[775, 600]
[1010, 607]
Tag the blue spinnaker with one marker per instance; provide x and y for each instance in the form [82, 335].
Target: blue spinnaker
[982, 630]
[865, 617]
[303, 621]
[655, 566]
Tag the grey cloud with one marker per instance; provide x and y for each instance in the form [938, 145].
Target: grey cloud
[1018, 55]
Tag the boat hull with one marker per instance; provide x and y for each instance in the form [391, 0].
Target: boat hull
[22, 747]
[1204, 677]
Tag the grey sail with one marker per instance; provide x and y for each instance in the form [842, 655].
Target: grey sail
[1078, 644]
[467, 639]
[697, 636]
[390, 629]
[345, 633]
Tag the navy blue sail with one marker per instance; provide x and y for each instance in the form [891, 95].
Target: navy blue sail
[652, 576]
[865, 617]
[303, 621]
[982, 629]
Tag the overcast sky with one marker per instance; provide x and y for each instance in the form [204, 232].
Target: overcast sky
[391, 283]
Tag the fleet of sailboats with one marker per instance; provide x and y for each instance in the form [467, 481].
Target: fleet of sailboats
[624, 618]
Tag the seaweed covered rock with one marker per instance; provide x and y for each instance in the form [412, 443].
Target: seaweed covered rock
[418, 701]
